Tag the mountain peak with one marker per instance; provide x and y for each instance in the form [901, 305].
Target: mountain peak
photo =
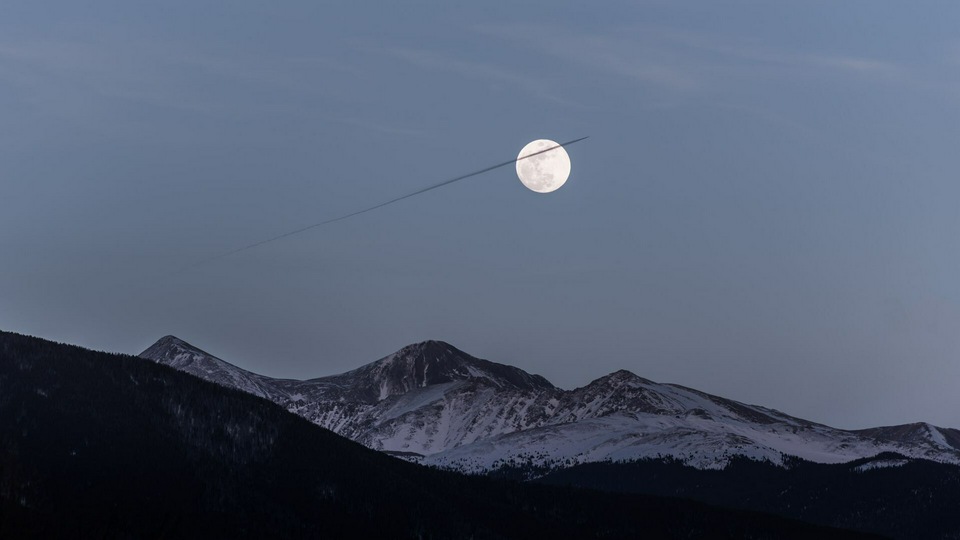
[430, 348]
[619, 378]
[170, 344]
[177, 353]
[624, 374]
[437, 362]
[169, 340]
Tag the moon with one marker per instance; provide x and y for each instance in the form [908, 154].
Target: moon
[544, 172]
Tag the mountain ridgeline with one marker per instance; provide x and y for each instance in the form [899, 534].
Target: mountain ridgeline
[452, 410]
[106, 445]
[434, 404]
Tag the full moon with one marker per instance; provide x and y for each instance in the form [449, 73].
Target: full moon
[544, 172]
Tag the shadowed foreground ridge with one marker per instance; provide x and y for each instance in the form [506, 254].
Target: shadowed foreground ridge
[95, 444]
[887, 494]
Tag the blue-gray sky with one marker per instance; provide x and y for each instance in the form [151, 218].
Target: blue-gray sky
[767, 208]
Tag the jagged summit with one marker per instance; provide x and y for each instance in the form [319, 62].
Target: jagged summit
[621, 377]
[431, 363]
[172, 345]
[169, 338]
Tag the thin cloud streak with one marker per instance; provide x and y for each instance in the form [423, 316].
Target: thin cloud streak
[156, 74]
[478, 70]
[675, 60]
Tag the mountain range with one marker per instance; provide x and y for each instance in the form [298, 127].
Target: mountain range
[99, 445]
[433, 403]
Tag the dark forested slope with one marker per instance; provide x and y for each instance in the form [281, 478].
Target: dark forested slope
[888, 494]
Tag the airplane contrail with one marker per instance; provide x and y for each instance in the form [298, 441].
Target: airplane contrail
[381, 205]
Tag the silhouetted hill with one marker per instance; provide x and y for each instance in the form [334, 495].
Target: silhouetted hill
[105, 445]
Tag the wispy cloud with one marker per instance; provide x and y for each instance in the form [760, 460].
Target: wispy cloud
[635, 59]
[157, 74]
[678, 60]
[478, 70]
[640, 60]
[74, 71]
[866, 66]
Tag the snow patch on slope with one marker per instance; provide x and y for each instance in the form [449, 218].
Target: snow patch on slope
[880, 464]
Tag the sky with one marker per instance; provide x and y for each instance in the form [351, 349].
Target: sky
[766, 208]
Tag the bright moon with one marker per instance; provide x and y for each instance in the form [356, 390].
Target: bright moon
[544, 172]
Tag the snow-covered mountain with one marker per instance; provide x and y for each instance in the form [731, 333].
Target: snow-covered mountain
[444, 407]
